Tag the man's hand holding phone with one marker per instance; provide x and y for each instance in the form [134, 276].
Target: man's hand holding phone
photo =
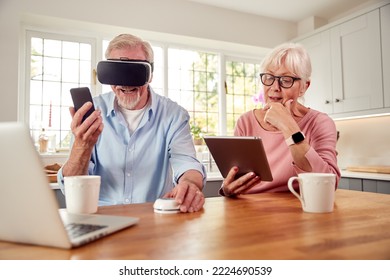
[86, 126]
[87, 123]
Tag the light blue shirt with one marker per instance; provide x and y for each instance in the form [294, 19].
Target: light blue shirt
[147, 164]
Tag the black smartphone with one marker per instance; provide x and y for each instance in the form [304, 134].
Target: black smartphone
[80, 96]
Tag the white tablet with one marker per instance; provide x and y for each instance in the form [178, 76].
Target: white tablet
[247, 153]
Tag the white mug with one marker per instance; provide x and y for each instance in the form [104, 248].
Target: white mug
[316, 191]
[82, 193]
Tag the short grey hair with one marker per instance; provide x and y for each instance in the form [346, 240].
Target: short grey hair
[127, 40]
[291, 55]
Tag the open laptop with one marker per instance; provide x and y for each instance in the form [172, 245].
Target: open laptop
[28, 208]
[245, 152]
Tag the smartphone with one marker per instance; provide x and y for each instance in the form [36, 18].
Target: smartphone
[80, 96]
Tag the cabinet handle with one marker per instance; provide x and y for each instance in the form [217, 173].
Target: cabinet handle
[327, 101]
[337, 100]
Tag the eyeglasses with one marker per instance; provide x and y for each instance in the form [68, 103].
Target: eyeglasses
[284, 81]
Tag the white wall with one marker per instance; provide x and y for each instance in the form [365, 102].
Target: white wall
[364, 141]
[174, 17]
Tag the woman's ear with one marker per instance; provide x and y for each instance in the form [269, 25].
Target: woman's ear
[307, 85]
[304, 88]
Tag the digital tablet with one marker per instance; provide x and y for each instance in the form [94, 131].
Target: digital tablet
[247, 153]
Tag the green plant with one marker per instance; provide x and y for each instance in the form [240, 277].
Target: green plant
[196, 131]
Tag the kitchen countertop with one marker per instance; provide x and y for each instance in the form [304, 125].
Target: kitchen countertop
[216, 176]
[365, 175]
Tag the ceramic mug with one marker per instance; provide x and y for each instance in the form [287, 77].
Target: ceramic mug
[82, 193]
[316, 191]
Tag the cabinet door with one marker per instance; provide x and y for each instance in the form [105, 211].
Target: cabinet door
[319, 94]
[385, 33]
[356, 64]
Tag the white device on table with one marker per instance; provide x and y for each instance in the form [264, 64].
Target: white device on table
[166, 206]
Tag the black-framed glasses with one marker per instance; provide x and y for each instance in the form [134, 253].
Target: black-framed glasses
[284, 81]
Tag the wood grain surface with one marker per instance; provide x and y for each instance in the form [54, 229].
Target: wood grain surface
[261, 226]
[385, 169]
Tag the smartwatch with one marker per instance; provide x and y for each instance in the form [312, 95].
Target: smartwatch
[295, 138]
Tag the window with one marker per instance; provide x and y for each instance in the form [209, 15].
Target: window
[242, 83]
[56, 66]
[192, 82]
[188, 76]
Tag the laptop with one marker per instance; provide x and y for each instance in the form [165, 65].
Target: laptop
[245, 152]
[28, 208]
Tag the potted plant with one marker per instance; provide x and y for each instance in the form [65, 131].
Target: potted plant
[197, 134]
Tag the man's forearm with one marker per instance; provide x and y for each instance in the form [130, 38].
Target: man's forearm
[78, 162]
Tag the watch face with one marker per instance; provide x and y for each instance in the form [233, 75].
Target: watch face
[298, 137]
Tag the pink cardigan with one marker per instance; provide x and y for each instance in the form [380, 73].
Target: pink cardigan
[320, 132]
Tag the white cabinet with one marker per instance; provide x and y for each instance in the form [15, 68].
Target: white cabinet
[320, 91]
[351, 66]
[385, 34]
[356, 64]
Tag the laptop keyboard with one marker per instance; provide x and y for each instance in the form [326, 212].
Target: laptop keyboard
[76, 230]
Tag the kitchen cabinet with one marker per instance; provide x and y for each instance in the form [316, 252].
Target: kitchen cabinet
[212, 188]
[356, 64]
[365, 185]
[319, 94]
[349, 77]
[385, 36]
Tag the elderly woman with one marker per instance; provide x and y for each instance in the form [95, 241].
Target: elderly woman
[296, 138]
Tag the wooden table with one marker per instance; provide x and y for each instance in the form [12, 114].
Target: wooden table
[261, 226]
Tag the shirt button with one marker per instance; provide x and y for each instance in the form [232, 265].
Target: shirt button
[128, 174]
[127, 200]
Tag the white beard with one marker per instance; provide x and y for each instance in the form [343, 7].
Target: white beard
[130, 103]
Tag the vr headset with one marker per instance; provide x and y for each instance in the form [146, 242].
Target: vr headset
[124, 72]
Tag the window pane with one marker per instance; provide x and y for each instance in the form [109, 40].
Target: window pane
[36, 67]
[35, 92]
[51, 69]
[66, 100]
[51, 93]
[187, 100]
[70, 70]
[36, 46]
[85, 72]
[212, 102]
[186, 80]
[71, 50]
[52, 48]
[239, 85]
[85, 52]
[200, 81]
[175, 96]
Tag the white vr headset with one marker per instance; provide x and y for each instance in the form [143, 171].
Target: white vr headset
[124, 72]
